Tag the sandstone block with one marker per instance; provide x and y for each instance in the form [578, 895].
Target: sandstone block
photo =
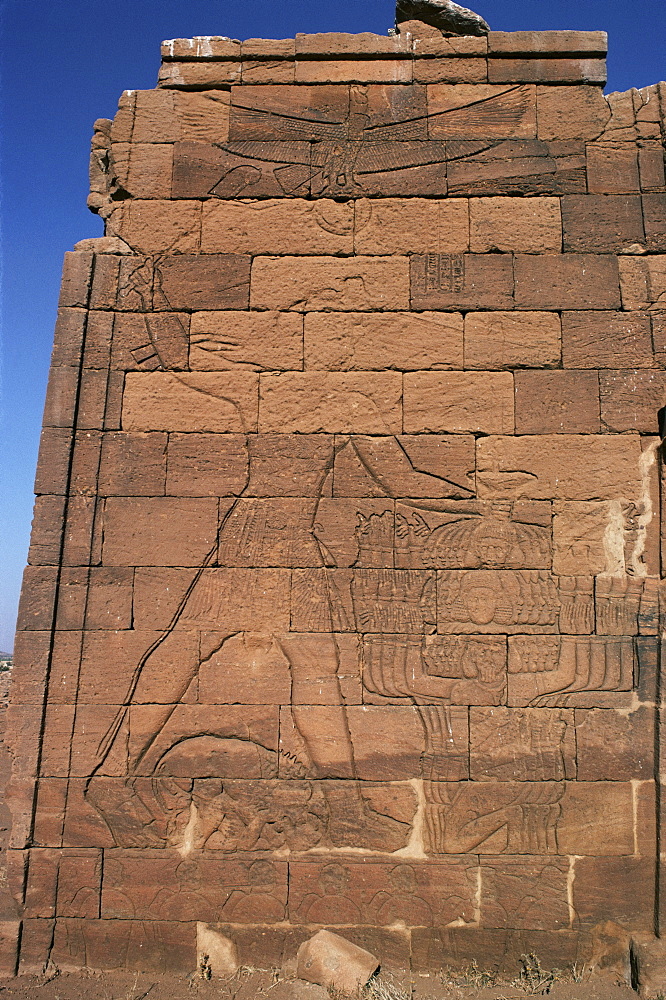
[389, 71]
[207, 465]
[149, 170]
[161, 116]
[461, 281]
[608, 885]
[603, 223]
[199, 75]
[337, 402]
[567, 281]
[414, 225]
[571, 112]
[202, 169]
[46, 533]
[76, 279]
[648, 957]
[329, 960]
[215, 47]
[494, 602]
[327, 283]
[201, 401]
[631, 736]
[429, 41]
[521, 225]
[381, 893]
[560, 467]
[654, 217]
[124, 283]
[567, 70]
[9, 936]
[307, 669]
[510, 744]
[286, 226]
[268, 48]
[109, 603]
[547, 42]
[158, 947]
[630, 400]
[583, 543]
[68, 336]
[518, 166]
[612, 170]
[263, 71]
[510, 340]
[336, 43]
[213, 281]
[575, 670]
[31, 659]
[464, 401]
[607, 340]
[643, 282]
[217, 952]
[161, 667]
[149, 532]
[557, 402]
[284, 112]
[253, 341]
[451, 70]
[529, 893]
[362, 341]
[371, 760]
[158, 226]
[507, 112]
[587, 818]
[36, 604]
[651, 167]
[411, 465]
[132, 464]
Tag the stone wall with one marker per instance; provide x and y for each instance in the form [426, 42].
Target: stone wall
[342, 604]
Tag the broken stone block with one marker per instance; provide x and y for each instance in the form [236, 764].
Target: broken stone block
[330, 960]
[648, 961]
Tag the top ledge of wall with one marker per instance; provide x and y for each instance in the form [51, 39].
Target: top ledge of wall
[541, 44]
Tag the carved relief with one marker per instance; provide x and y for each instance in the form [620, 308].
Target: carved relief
[497, 601]
[505, 818]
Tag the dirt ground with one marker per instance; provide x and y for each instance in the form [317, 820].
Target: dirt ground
[248, 985]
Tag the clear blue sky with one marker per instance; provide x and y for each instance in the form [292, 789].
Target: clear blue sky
[65, 64]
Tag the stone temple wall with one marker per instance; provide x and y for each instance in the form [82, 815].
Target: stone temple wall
[342, 603]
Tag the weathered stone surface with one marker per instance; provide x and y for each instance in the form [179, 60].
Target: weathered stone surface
[464, 401]
[414, 225]
[512, 340]
[607, 340]
[334, 402]
[571, 467]
[630, 400]
[221, 341]
[571, 112]
[332, 961]
[603, 223]
[278, 227]
[518, 225]
[201, 401]
[214, 281]
[148, 532]
[366, 341]
[557, 402]
[568, 281]
[330, 283]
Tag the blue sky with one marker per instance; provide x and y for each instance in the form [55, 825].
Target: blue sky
[65, 64]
